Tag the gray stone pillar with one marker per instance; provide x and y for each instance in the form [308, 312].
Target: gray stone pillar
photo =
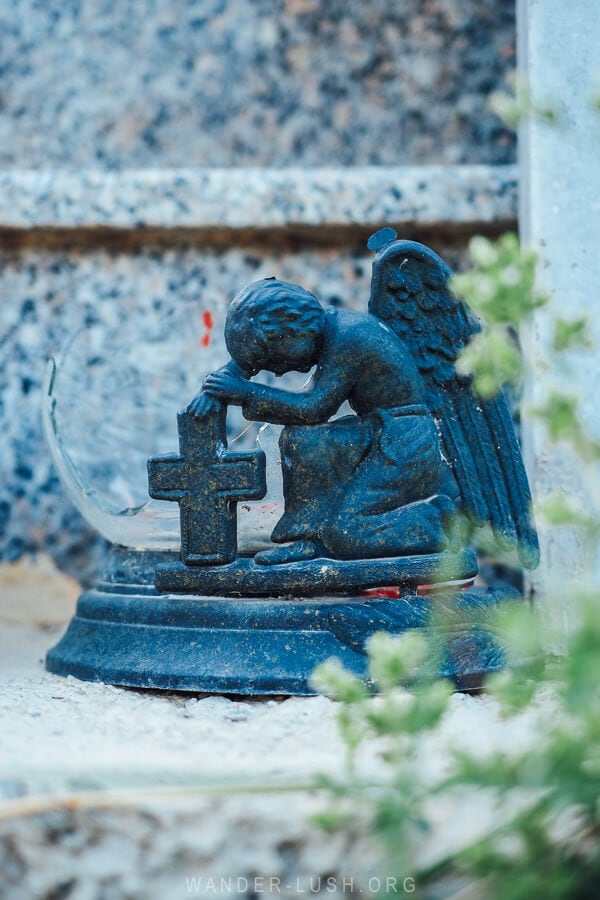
[559, 57]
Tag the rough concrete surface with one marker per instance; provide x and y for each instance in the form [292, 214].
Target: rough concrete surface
[560, 215]
[115, 793]
[33, 591]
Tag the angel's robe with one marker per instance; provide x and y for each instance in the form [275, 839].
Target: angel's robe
[367, 486]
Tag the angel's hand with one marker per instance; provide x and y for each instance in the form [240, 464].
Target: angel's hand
[203, 405]
[226, 385]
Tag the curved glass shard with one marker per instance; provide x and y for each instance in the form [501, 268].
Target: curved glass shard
[111, 402]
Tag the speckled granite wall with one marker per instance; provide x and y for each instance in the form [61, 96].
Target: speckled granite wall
[145, 86]
[46, 296]
[130, 83]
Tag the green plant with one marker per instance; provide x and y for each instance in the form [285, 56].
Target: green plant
[546, 838]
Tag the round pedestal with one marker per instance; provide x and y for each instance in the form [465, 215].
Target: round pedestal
[125, 633]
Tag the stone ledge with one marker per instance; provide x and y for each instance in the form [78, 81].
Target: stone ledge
[424, 196]
[127, 793]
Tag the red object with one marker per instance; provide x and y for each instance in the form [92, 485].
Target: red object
[423, 590]
[208, 322]
[393, 593]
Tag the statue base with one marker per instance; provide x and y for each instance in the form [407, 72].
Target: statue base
[314, 577]
[125, 633]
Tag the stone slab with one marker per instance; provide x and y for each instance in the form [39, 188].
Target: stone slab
[313, 577]
[127, 793]
[560, 217]
[208, 82]
[251, 198]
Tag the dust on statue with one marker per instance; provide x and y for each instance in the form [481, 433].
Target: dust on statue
[370, 499]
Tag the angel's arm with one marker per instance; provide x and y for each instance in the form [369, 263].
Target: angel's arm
[329, 387]
[317, 404]
[204, 403]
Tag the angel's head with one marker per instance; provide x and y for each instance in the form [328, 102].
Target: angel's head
[276, 326]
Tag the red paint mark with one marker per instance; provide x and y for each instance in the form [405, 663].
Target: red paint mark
[208, 322]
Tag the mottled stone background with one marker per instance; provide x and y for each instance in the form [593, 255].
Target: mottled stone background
[252, 82]
[49, 296]
[109, 85]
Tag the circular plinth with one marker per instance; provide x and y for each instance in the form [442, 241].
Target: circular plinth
[127, 634]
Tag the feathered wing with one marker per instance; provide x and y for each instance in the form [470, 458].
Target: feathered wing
[410, 292]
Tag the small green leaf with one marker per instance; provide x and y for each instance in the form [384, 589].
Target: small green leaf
[515, 104]
[333, 819]
[557, 510]
[333, 680]
[560, 414]
[493, 360]
[395, 659]
[571, 333]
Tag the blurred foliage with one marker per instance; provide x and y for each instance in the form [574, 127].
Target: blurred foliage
[501, 289]
[546, 836]
[516, 104]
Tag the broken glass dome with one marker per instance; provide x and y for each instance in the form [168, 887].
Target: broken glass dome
[111, 402]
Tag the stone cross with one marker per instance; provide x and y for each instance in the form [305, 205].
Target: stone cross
[207, 481]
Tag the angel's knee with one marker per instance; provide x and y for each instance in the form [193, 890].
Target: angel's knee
[414, 528]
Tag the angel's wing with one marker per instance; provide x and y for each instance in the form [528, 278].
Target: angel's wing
[410, 292]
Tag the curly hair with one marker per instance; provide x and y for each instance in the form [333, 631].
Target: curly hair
[269, 311]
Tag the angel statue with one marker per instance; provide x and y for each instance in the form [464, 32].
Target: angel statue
[421, 447]
[371, 537]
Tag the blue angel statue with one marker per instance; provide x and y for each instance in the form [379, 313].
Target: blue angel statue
[388, 481]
